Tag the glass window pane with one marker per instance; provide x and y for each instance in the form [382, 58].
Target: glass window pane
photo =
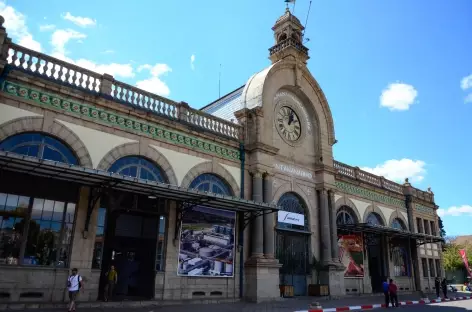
[58, 211]
[70, 213]
[68, 233]
[37, 211]
[27, 150]
[11, 231]
[101, 217]
[12, 202]
[50, 154]
[162, 225]
[48, 209]
[3, 200]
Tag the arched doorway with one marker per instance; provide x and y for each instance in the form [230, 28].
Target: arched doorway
[292, 242]
[134, 232]
[399, 249]
[378, 267]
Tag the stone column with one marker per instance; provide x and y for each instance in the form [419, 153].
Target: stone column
[269, 220]
[258, 222]
[325, 227]
[334, 227]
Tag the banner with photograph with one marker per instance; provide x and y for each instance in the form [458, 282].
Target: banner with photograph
[351, 255]
[207, 239]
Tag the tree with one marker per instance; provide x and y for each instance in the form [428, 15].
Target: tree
[442, 231]
[451, 257]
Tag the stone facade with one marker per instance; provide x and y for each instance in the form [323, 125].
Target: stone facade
[259, 155]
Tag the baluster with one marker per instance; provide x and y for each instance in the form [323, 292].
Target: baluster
[151, 103]
[22, 61]
[158, 105]
[14, 57]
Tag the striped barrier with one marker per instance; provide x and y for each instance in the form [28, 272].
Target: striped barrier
[375, 306]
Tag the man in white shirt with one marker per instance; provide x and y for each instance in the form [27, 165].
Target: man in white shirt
[74, 284]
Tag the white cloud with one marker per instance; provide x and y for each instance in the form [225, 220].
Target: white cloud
[61, 37]
[468, 98]
[398, 170]
[154, 84]
[466, 82]
[398, 96]
[15, 23]
[192, 61]
[79, 20]
[47, 27]
[456, 211]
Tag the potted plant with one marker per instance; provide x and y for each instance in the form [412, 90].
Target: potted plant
[317, 289]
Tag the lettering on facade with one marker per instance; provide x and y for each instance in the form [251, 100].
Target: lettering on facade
[294, 171]
[299, 105]
[291, 218]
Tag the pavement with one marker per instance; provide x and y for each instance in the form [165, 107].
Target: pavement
[283, 305]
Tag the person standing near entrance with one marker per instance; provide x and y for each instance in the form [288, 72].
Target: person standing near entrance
[385, 287]
[437, 286]
[112, 279]
[444, 287]
[74, 284]
[392, 290]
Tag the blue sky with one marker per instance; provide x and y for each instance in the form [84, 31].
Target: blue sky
[397, 74]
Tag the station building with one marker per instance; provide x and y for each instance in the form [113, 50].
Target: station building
[237, 200]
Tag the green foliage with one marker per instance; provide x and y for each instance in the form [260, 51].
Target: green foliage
[452, 259]
[442, 231]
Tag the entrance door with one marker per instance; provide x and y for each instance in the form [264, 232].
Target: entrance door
[376, 267]
[292, 253]
[131, 248]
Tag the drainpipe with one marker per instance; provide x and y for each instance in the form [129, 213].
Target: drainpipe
[241, 223]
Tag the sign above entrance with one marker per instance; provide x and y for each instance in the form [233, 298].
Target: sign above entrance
[291, 218]
[294, 171]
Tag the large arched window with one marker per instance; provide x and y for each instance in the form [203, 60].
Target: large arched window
[291, 202]
[345, 215]
[40, 146]
[138, 167]
[208, 182]
[398, 224]
[374, 219]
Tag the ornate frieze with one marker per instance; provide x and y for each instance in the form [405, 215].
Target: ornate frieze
[117, 119]
[367, 194]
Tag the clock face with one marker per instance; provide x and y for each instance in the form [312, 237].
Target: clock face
[288, 124]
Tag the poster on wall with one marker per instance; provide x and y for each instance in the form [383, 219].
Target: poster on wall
[207, 239]
[351, 253]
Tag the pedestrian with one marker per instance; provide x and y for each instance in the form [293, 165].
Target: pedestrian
[437, 286]
[392, 289]
[74, 284]
[444, 288]
[112, 279]
[385, 290]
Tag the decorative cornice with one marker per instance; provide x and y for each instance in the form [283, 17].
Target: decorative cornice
[116, 119]
[367, 194]
[261, 147]
[423, 209]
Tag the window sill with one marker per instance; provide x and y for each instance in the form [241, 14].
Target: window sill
[32, 267]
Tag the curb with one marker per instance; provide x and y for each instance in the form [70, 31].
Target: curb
[375, 306]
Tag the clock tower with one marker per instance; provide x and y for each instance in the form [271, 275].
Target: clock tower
[288, 139]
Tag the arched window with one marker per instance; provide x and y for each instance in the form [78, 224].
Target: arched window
[208, 182]
[400, 262]
[138, 167]
[345, 215]
[374, 219]
[291, 202]
[398, 224]
[39, 145]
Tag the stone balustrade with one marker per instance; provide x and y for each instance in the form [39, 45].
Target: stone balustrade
[356, 173]
[64, 73]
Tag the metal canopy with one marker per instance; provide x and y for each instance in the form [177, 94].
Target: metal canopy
[102, 179]
[391, 232]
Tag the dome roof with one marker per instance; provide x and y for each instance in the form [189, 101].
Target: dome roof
[288, 16]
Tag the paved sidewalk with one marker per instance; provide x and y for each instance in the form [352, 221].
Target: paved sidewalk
[284, 305]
